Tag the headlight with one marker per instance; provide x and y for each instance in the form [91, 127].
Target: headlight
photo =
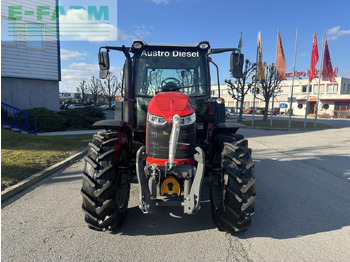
[188, 120]
[156, 120]
[160, 121]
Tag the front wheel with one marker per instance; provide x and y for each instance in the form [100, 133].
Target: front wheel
[106, 185]
[232, 190]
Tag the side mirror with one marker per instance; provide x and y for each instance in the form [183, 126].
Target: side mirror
[103, 62]
[236, 65]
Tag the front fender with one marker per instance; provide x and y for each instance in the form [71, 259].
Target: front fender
[109, 124]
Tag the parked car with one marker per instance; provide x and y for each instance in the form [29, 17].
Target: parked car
[104, 107]
[75, 106]
[248, 110]
[259, 110]
[275, 111]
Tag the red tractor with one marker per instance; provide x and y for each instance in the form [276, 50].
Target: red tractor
[170, 133]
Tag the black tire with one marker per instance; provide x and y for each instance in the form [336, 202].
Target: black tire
[106, 185]
[232, 190]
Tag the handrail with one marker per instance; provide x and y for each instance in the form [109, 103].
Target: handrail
[17, 118]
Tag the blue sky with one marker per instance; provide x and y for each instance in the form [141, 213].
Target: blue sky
[221, 23]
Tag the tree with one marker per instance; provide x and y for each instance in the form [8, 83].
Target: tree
[240, 88]
[268, 87]
[82, 90]
[110, 88]
[95, 89]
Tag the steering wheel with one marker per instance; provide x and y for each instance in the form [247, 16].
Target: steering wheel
[170, 84]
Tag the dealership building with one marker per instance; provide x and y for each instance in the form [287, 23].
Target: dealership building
[30, 57]
[334, 97]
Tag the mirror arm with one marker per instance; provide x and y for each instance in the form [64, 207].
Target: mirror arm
[217, 74]
[222, 50]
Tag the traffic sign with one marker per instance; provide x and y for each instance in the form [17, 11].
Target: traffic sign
[283, 105]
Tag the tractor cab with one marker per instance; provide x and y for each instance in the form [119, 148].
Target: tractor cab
[170, 68]
[160, 68]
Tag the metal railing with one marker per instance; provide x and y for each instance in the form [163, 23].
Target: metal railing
[17, 118]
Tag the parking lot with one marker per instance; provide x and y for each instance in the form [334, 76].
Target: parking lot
[302, 212]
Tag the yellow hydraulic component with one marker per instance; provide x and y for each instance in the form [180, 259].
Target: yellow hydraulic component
[170, 186]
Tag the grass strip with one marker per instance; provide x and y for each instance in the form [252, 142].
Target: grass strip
[24, 155]
[283, 124]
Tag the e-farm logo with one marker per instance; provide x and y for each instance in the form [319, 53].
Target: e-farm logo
[49, 22]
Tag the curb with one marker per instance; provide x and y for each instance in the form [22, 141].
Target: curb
[19, 187]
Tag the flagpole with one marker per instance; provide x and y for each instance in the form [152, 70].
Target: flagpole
[240, 45]
[273, 91]
[308, 89]
[237, 107]
[319, 81]
[256, 80]
[307, 103]
[291, 95]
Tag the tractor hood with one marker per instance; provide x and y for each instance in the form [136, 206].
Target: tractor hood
[167, 104]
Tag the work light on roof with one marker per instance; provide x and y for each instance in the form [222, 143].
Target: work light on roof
[203, 45]
[137, 44]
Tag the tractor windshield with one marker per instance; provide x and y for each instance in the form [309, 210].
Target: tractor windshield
[155, 69]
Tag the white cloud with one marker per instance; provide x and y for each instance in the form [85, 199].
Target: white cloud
[346, 73]
[71, 28]
[139, 32]
[142, 31]
[303, 54]
[68, 54]
[160, 1]
[335, 32]
[124, 36]
[77, 72]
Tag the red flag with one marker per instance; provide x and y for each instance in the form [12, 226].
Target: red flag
[260, 72]
[280, 61]
[327, 70]
[314, 59]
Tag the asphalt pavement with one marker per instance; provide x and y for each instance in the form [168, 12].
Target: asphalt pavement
[302, 212]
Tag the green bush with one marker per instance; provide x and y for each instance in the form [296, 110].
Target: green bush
[81, 118]
[348, 114]
[47, 120]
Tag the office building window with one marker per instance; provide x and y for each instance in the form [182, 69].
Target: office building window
[7, 31]
[304, 89]
[34, 35]
[332, 88]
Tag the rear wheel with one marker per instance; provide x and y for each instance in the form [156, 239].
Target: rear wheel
[232, 190]
[106, 186]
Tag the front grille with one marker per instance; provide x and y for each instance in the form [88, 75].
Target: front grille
[157, 141]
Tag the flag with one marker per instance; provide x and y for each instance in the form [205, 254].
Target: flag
[327, 70]
[240, 44]
[281, 60]
[314, 59]
[260, 74]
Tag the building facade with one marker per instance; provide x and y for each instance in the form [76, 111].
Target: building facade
[334, 97]
[30, 58]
